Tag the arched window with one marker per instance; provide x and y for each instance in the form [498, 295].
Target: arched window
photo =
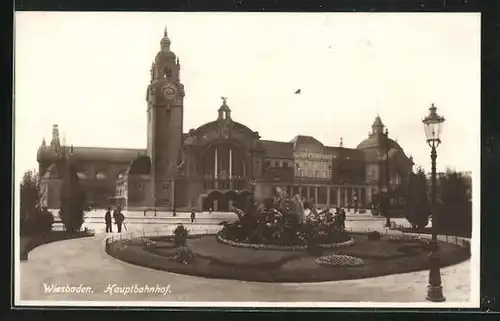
[81, 175]
[168, 72]
[100, 175]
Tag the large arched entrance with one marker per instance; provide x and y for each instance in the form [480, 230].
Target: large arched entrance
[224, 167]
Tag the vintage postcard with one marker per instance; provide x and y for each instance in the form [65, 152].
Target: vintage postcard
[246, 159]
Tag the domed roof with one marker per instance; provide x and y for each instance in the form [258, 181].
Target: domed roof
[373, 142]
[140, 166]
[164, 57]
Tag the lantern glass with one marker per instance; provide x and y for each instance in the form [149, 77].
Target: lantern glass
[433, 125]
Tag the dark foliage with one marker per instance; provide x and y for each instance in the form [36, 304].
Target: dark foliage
[28, 243]
[277, 222]
[73, 200]
[417, 208]
[184, 255]
[374, 236]
[180, 235]
[34, 219]
[454, 205]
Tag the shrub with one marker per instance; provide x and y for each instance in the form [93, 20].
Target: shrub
[72, 198]
[374, 236]
[180, 235]
[39, 221]
[184, 255]
[417, 205]
[35, 219]
[454, 204]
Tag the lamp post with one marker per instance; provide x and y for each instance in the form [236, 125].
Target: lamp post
[433, 125]
[385, 198]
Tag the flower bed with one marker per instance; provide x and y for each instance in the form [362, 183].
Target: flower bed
[339, 260]
[144, 241]
[404, 238]
[349, 242]
[214, 259]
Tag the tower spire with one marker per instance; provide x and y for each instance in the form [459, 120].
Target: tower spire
[165, 41]
[378, 126]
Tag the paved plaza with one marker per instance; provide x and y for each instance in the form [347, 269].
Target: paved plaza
[84, 261]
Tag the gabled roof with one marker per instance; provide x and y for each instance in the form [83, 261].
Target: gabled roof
[306, 140]
[106, 154]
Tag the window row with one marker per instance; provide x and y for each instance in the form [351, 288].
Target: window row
[278, 163]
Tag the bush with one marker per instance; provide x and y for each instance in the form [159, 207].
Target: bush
[184, 255]
[454, 204]
[35, 219]
[180, 235]
[417, 205]
[39, 221]
[374, 236]
[72, 198]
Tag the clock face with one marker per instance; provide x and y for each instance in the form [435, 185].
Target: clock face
[169, 91]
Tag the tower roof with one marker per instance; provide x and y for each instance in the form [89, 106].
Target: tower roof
[165, 41]
[377, 122]
[165, 56]
[224, 106]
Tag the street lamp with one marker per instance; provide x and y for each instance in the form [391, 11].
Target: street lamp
[385, 198]
[433, 126]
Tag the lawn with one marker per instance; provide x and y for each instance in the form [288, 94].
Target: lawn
[217, 260]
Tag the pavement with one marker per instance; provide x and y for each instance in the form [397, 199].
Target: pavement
[83, 263]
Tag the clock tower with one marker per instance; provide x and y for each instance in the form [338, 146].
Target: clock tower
[165, 98]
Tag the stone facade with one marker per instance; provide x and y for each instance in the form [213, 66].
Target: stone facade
[211, 166]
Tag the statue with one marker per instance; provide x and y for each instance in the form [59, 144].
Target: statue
[298, 208]
[224, 99]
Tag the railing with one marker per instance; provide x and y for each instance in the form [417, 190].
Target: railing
[398, 231]
[200, 230]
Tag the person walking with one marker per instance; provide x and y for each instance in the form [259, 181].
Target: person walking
[193, 215]
[107, 219]
[342, 217]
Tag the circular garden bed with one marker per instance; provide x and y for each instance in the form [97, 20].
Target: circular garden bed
[212, 258]
[348, 242]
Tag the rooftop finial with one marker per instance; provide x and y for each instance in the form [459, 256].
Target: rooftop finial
[341, 142]
[224, 100]
[165, 41]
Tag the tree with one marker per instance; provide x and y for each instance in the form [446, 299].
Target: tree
[454, 207]
[73, 200]
[417, 208]
[30, 193]
[33, 218]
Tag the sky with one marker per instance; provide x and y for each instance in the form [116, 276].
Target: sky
[88, 73]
